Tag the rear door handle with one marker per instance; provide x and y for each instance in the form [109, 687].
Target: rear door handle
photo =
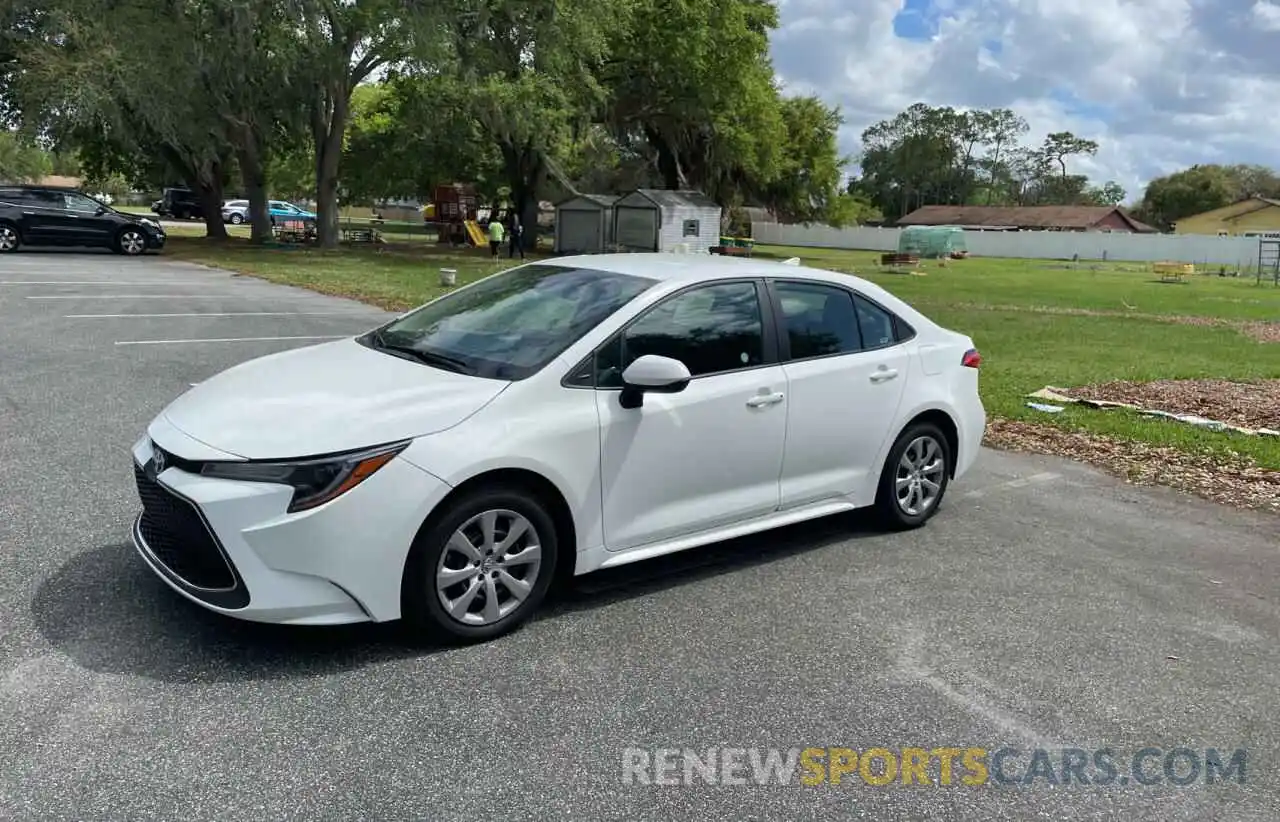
[884, 375]
[761, 400]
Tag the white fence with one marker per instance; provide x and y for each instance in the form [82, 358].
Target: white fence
[1041, 245]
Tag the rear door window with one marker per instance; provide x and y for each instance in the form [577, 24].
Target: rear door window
[875, 323]
[817, 320]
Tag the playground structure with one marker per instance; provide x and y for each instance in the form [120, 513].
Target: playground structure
[454, 212]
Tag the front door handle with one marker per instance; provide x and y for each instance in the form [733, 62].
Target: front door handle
[884, 375]
[761, 400]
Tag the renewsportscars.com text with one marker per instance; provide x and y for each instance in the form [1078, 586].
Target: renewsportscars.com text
[934, 767]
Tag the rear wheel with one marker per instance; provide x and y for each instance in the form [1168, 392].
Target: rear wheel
[914, 478]
[9, 239]
[236, 219]
[481, 569]
[131, 242]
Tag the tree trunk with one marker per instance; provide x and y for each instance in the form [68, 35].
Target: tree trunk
[328, 126]
[204, 178]
[668, 161]
[209, 190]
[525, 171]
[253, 177]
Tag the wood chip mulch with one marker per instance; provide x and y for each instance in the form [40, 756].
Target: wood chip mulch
[1234, 480]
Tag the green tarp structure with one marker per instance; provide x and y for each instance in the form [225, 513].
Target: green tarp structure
[928, 241]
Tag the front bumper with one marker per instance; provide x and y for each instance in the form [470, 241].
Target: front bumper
[339, 563]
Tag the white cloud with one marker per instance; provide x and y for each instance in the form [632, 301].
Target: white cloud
[1160, 84]
[1267, 15]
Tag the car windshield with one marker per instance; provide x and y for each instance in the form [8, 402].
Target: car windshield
[510, 325]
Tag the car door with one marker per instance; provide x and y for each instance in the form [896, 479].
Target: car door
[89, 223]
[43, 218]
[846, 364]
[710, 454]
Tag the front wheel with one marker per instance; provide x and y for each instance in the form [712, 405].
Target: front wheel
[914, 478]
[482, 569]
[9, 239]
[236, 219]
[131, 242]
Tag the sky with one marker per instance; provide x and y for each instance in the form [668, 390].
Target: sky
[1159, 84]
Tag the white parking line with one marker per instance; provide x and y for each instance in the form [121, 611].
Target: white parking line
[230, 340]
[225, 314]
[94, 282]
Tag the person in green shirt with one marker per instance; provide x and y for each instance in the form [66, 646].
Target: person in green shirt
[496, 232]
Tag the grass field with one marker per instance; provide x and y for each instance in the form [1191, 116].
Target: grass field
[1037, 322]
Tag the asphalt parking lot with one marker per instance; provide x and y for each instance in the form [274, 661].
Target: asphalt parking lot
[1047, 606]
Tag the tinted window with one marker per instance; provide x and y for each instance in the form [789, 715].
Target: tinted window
[511, 325]
[47, 199]
[818, 320]
[876, 324]
[78, 202]
[710, 329]
[13, 195]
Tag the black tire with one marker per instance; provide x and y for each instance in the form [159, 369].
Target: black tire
[10, 238]
[131, 242]
[893, 512]
[236, 219]
[423, 612]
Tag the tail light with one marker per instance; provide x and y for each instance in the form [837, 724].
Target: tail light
[971, 359]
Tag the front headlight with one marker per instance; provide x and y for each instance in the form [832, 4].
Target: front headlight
[314, 481]
[149, 221]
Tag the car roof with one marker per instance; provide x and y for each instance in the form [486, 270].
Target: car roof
[20, 187]
[690, 268]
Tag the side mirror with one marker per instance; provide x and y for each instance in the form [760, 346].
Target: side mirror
[99, 211]
[652, 373]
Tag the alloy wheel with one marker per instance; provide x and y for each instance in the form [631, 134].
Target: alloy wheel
[489, 567]
[8, 238]
[132, 243]
[918, 480]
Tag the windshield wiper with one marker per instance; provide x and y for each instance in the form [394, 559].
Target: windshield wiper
[426, 357]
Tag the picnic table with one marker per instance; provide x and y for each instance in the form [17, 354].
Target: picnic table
[1173, 272]
[363, 233]
[295, 231]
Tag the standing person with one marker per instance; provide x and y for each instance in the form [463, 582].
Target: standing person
[496, 233]
[515, 243]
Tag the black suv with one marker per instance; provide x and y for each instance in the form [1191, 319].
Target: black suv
[179, 203]
[34, 215]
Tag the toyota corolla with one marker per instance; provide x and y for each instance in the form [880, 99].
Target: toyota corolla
[550, 420]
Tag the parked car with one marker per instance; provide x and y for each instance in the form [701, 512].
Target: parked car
[235, 212]
[550, 420]
[279, 211]
[180, 204]
[47, 216]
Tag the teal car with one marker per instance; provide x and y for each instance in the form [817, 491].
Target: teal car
[281, 211]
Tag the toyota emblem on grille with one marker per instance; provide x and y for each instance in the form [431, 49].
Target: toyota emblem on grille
[158, 459]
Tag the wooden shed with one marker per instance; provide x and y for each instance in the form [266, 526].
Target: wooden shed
[651, 219]
[584, 224]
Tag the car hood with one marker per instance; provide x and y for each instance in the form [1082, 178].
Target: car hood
[323, 399]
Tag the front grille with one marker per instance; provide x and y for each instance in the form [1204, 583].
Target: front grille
[177, 537]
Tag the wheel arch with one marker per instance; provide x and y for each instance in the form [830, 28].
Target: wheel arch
[946, 424]
[12, 224]
[526, 479]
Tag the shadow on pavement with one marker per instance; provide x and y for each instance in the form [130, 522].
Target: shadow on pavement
[107, 612]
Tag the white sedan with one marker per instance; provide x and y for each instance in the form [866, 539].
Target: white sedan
[550, 420]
